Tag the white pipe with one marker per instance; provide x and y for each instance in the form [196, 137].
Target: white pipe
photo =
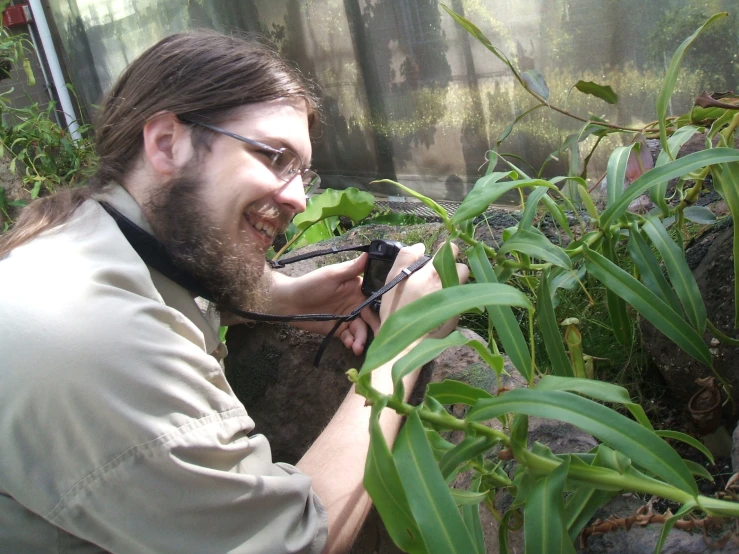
[62, 92]
[42, 65]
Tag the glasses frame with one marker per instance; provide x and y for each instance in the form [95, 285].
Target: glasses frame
[274, 155]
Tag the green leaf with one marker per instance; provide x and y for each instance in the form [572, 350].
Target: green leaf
[436, 208]
[463, 452]
[604, 92]
[650, 269]
[536, 245]
[649, 305]
[675, 142]
[531, 205]
[545, 531]
[663, 100]
[558, 214]
[670, 523]
[726, 182]
[617, 172]
[700, 214]
[446, 266]
[664, 173]
[535, 82]
[383, 483]
[430, 500]
[507, 131]
[486, 191]
[589, 204]
[468, 498]
[429, 349]
[413, 321]
[351, 202]
[617, 431]
[687, 439]
[699, 471]
[471, 515]
[680, 274]
[620, 321]
[509, 332]
[550, 330]
[454, 392]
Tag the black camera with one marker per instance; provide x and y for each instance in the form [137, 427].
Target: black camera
[382, 254]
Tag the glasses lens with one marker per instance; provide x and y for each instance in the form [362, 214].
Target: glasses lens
[311, 180]
[286, 164]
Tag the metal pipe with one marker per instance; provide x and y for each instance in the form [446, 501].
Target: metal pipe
[56, 69]
[42, 65]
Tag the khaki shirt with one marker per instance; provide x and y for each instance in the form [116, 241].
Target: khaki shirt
[118, 429]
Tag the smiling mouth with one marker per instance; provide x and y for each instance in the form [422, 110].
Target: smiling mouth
[268, 230]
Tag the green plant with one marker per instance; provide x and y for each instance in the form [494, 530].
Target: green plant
[555, 493]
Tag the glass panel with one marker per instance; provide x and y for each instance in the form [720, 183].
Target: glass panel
[409, 95]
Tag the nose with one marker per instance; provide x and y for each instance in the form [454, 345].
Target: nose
[291, 197]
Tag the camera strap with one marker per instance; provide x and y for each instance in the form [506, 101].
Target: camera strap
[155, 255]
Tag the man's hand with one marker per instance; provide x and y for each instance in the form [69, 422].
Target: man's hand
[422, 282]
[332, 289]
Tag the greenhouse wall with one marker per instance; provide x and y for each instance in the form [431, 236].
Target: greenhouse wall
[409, 95]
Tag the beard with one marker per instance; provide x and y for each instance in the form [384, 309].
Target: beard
[235, 273]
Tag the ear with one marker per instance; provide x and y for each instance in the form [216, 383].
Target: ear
[167, 144]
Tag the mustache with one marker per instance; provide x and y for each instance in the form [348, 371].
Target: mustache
[271, 212]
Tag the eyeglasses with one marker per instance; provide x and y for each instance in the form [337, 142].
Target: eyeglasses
[285, 163]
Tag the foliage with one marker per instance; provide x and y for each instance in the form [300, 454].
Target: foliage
[40, 151]
[412, 484]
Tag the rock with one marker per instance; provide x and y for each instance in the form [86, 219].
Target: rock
[735, 450]
[12, 186]
[710, 258]
[642, 540]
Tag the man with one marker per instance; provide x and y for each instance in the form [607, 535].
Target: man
[118, 429]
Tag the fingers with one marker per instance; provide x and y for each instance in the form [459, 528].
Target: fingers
[352, 268]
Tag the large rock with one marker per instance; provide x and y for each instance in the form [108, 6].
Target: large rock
[711, 259]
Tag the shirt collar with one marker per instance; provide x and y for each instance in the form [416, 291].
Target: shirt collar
[173, 294]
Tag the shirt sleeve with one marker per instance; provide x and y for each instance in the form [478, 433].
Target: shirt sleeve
[117, 427]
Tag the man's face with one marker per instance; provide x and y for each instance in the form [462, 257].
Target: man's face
[222, 211]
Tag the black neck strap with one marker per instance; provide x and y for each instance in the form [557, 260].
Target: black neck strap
[155, 255]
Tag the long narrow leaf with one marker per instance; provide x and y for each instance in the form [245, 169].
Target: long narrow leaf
[454, 392]
[463, 452]
[687, 439]
[536, 245]
[471, 517]
[418, 318]
[726, 181]
[616, 172]
[445, 265]
[650, 270]
[664, 173]
[532, 203]
[436, 208]
[622, 324]
[545, 528]
[675, 142]
[648, 304]
[670, 523]
[639, 444]
[509, 332]
[430, 500]
[680, 274]
[382, 482]
[550, 330]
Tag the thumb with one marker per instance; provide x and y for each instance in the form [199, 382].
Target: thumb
[352, 268]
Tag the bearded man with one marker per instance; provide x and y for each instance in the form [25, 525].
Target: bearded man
[119, 431]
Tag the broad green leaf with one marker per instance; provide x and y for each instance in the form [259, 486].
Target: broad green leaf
[649, 305]
[670, 523]
[598, 390]
[650, 269]
[509, 332]
[664, 173]
[471, 516]
[557, 213]
[446, 266]
[663, 100]
[536, 245]
[436, 208]
[721, 122]
[617, 431]
[680, 274]
[429, 349]
[550, 330]
[382, 482]
[351, 202]
[616, 172]
[622, 324]
[413, 321]
[430, 500]
[463, 452]
[439, 445]
[675, 142]
[536, 83]
[455, 392]
[545, 530]
[699, 471]
[604, 92]
[487, 190]
[520, 431]
[588, 201]
[687, 439]
[726, 182]
[700, 214]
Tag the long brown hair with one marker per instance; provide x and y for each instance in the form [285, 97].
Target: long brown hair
[197, 75]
